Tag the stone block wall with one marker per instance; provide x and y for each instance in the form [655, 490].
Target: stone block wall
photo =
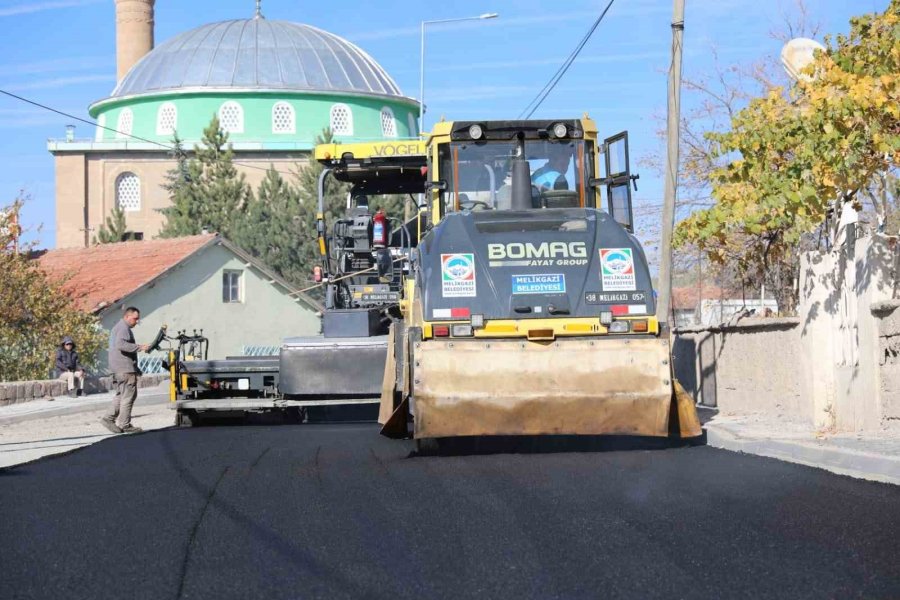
[15, 392]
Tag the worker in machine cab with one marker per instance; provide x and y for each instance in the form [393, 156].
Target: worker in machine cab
[552, 176]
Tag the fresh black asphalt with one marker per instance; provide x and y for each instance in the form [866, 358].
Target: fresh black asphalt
[335, 511]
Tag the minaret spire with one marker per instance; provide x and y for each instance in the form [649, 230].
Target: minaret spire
[259, 14]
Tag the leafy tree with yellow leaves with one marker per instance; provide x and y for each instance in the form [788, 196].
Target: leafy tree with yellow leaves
[35, 313]
[795, 156]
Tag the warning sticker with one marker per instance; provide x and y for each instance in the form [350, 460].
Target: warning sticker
[458, 275]
[617, 269]
[539, 284]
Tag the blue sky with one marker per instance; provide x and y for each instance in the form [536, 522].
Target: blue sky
[62, 53]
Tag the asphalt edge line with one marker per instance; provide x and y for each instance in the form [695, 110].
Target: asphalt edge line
[860, 465]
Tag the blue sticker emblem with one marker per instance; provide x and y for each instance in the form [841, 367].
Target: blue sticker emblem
[539, 284]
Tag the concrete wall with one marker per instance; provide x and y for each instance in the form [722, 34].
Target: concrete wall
[86, 187]
[745, 368]
[835, 367]
[190, 298]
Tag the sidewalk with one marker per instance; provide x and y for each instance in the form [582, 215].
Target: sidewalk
[63, 405]
[874, 456]
[39, 428]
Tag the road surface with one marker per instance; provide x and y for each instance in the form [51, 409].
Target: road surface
[334, 511]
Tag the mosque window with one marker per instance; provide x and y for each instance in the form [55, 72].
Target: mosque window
[101, 123]
[388, 125]
[124, 126]
[231, 117]
[341, 120]
[411, 123]
[128, 192]
[283, 120]
[166, 119]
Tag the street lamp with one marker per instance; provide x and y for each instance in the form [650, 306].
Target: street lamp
[422, 60]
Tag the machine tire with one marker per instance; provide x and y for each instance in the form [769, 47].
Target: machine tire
[186, 418]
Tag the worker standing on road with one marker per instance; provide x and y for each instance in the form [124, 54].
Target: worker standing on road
[68, 367]
[124, 366]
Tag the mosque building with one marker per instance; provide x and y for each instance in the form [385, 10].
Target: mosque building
[275, 85]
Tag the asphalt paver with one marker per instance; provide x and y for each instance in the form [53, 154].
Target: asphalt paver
[335, 511]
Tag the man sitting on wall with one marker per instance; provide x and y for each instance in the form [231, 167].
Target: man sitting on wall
[68, 368]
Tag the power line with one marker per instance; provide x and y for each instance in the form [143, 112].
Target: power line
[548, 87]
[121, 133]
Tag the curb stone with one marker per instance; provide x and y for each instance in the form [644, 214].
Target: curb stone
[843, 461]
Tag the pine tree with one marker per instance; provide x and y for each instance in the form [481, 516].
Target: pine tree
[207, 192]
[114, 229]
[272, 229]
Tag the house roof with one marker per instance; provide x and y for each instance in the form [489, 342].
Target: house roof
[100, 276]
[688, 297]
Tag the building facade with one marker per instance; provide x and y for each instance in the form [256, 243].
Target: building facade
[201, 282]
[274, 85]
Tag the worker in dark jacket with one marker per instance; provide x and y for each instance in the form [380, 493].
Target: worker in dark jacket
[124, 366]
[68, 367]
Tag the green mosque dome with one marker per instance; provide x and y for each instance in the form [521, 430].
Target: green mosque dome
[275, 85]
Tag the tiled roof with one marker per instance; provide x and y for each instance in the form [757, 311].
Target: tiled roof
[687, 297]
[99, 276]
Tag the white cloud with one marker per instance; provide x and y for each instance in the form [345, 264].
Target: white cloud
[59, 82]
[32, 7]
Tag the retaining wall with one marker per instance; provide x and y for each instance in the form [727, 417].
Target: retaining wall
[15, 392]
[746, 367]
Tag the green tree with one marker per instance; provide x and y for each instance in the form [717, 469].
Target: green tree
[114, 229]
[35, 312]
[207, 191]
[792, 157]
[273, 229]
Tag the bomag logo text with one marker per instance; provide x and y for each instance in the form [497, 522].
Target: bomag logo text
[518, 250]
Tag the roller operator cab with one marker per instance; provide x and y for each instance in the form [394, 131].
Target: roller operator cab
[528, 308]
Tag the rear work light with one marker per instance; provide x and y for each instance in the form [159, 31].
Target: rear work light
[618, 327]
[441, 330]
[461, 330]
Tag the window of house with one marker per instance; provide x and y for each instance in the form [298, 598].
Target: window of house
[232, 286]
[166, 119]
[388, 125]
[125, 124]
[231, 117]
[341, 120]
[283, 120]
[128, 192]
[101, 123]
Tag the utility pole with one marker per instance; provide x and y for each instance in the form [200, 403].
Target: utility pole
[673, 120]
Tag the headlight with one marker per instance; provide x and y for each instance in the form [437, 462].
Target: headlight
[475, 131]
[618, 327]
[559, 130]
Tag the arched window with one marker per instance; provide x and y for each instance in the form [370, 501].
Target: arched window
[341, 120]
[231, 117]
[411, 123]
[101, 123]
[388, 125]
[125, 124]
[166, 119]
[128, 192]
[283, 119]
